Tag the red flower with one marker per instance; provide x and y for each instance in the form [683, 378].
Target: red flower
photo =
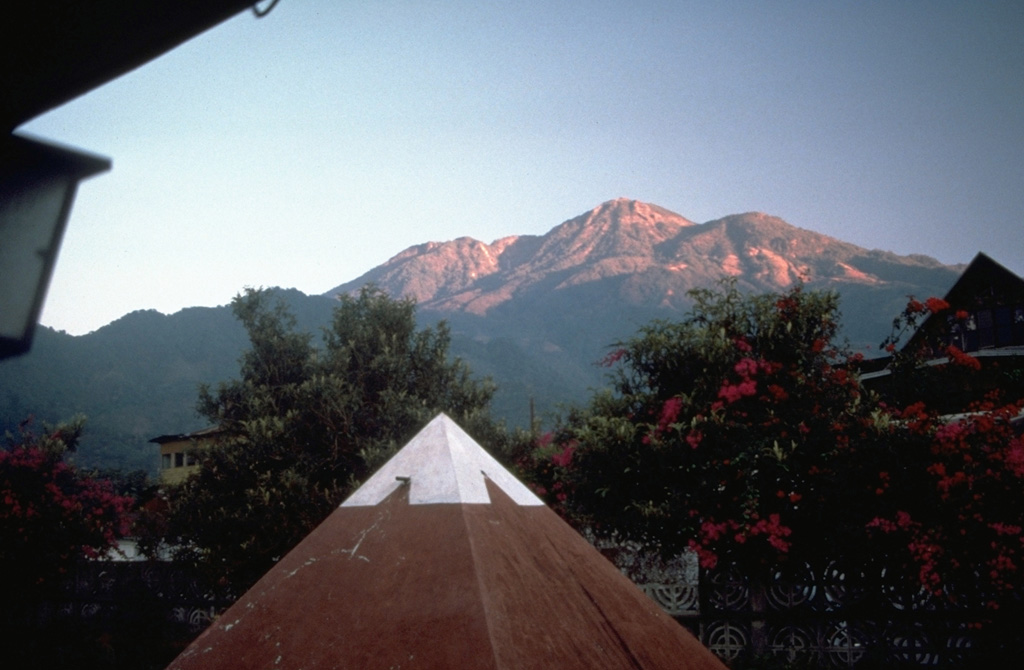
[669, 413]
[915, 412]
[707, 558]
[936, 305]
[773, 528]
[785, 305]
[1005, 529]
[958, 357]
[746, 367]
[564, 458]
[613, 358]
[1014, 458]
[733, 392]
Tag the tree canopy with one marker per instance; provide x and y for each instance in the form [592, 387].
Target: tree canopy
[302, 424]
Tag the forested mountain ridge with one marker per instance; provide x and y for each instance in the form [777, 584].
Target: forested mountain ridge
[134, 379]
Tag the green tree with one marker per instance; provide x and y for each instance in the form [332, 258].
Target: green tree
[303, 424]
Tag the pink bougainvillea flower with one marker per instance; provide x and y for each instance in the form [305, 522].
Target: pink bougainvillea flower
[669, 413]
[958, 357]
[746, 367]
[936, 305]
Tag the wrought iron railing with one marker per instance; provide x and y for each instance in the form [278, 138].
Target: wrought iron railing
[821, 619]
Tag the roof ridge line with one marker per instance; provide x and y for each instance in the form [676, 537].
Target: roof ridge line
[482, 592]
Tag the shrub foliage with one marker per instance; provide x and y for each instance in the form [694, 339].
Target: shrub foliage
[743, 434]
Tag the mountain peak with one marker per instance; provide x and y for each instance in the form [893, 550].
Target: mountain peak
[618, 236]
[634, 212]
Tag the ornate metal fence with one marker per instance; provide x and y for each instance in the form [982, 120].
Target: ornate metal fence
[820, 619]
[110, 614]
[99, 591]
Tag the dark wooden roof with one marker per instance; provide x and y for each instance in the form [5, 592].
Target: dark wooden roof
[445, 586]
[212, 431]
[52, 51]
[496, 585]
[987, 281]
[983, 285]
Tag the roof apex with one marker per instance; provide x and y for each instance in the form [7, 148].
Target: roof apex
[441, 465]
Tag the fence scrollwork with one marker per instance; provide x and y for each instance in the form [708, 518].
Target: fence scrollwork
[832, 616]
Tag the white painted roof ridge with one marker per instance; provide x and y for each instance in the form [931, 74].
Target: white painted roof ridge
[442, 464]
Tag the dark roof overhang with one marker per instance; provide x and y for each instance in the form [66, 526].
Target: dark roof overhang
[52, 51]
[204, 433]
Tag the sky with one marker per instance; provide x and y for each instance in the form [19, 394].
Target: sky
[307, 147]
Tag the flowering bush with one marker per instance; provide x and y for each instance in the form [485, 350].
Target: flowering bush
[742, 434]
[955, 519]
[713, 425]
[51, 514]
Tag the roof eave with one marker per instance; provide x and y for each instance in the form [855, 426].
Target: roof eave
[52, 51]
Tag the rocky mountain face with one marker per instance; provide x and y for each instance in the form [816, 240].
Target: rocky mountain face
[634, 255]
[535, 313]
[617, 239]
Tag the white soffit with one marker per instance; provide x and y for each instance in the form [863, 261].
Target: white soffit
[442, 464]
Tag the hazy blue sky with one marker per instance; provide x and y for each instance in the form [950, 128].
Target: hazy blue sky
[307, 147]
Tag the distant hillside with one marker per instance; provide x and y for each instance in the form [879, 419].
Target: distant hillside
[134, 379]
[535, 313]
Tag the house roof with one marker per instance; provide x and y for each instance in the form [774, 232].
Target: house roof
[983, 284]
[186, 437]
[456, 565]
[985, 273]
